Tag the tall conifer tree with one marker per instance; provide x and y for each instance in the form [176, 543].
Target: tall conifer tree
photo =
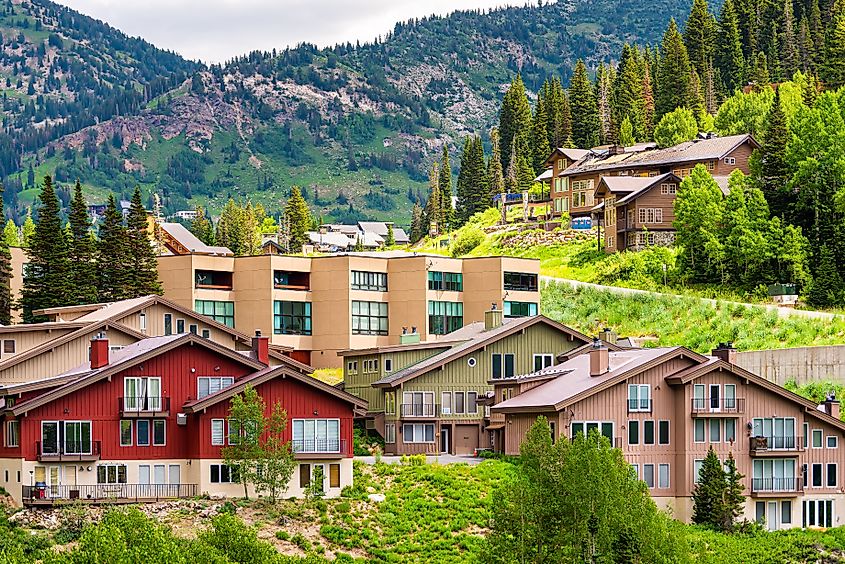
[832, 71]
[113, 258]
[5, 275]
[774, 171]
[83, 265]
[605, 77]
[699, 36]
[433, 213]
[628, 97]
[514, 118]
[298, 217]
[495, 174]
[789, 43]
[144, 274]
[447, 211]
[584, 108]
[540, 137]
[673, 89]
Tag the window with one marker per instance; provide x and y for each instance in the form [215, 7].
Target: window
[390, 433]
[142, 394]
[8, 346]
[291, 318]
[711, 165]
[817, 438]
[806, 434]
[217, 432]
[372, 281]
[66, 437]
[831, 475]
[805, 476]
[663, 432]
[192, 329]
[125, 432]
[817, 513]
[207, 385]
[445, 317]
[648, 432]
[650, 215]
[388, 365]
[774, 475]
[832, 441]
[159, 432]
[633, 432]
[13, 433]
[291, 280]
[542, 361]
[699, 431]
[648, 475]
[668, 188]
[610, 211]
[520, 309]
[635, 470]
[418, 433]
[611, 242]
[715, 430]
[521, 281]
[446, 403]
[730, 160]
[663, 476]
[582, 193]
[446, 281]
[142, 430]
[168, 324]
[369, 318]
[304, 475]
[696, 469]
[180, 326]
[639, 397]
[605, 428]
[503, 366]
[206, 334]
[459, 402]
[316, 435]
[779, 431]
[219, 311]
[644, 239]
[334, 475]
[786, 512]
[213, 279]
[111, 473]
[730, 430]
[817, 475]
[352, 367]
[223, 474]
[390, 403]
[472, 403]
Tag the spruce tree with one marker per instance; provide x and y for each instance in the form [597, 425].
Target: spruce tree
[628, 99]
[514, 118]
[433, 213]
[82, 250]
[114, 279]
[417, 223]
[540, 137]
[445, 190]
[695, 98]
[826, 287]
[495, 173]
[11, 234]
[709, 492]
[789, 43]
[27, 229]
[759, 74]
[605, 77]
[806, 49]
[202, 227]
[144, 274]
[674, 72]
[298, 217]
[626, 133]
[832, 71]
[473, 189]
[5, 275]
[584, 108]
[47, 281]
[648, 101]
[774, 173]
[524, 171]
[734, 498]
[464, 188]
[699, 36]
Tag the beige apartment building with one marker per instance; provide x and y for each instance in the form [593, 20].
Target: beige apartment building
[319, 305]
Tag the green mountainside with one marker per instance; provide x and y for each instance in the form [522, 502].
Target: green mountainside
[355, 125]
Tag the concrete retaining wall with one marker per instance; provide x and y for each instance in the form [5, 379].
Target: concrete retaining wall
[800, 364]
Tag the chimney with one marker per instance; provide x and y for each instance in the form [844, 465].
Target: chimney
[599, 358]
[99, 351]
[831, 405]
[261, 348]
[608, 336]
[726, 352]
[492, 318]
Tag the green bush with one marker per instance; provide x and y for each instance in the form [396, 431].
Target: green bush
[467, 238]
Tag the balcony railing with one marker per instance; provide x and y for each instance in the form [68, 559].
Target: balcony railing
[418, 409]
[43, 494]
[318, 446]
[68, 450]
[775, 485]
[143, 405]
[718, 405]
[639, 405]
[774, 444]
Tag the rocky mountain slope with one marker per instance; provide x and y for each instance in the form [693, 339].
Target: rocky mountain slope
[356, 125]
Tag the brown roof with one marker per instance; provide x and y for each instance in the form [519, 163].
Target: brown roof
[655, 181]
[562, 357]
[398, 348]
[480, 339]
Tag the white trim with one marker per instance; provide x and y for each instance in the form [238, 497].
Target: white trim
[835, 441]
[153, 442]
[222, 441]
[813, 474]
[704, 431]
[813, 438]
[413, 433]
[827, 475]
[669, 434]
[149, 433]
[668, 476]
[131, 432]
[710, 430]
[543, 357]
[8, 433]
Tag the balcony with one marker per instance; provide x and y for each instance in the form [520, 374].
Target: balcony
[213, 280]
[640, 405]
[319, 448]
[291, 280]
[418, 410]
[106, 493]
[717, 407]
[775, 446]
[144, 406]
[69, 450]
[775, 487]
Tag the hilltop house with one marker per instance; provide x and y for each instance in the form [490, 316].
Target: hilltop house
[424, 396]
[664, 407]
[148, 421]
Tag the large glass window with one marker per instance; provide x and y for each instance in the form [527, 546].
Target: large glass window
[418, 433]
[448, 281]
[111, 473]
[291, 318]
[520, 309]
[779, 431]
[369, 318]
[219, 311]
[503, 366]
[207, 385]
[316, 435]
[445, 317]
[373, 281]
[521, 281]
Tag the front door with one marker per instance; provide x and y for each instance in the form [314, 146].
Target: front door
[715, 404]
[772, 520]
[445, 443]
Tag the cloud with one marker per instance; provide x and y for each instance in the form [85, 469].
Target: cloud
[217, 30]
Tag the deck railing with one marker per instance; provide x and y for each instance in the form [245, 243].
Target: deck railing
[107, 492]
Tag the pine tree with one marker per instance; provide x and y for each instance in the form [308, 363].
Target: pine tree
[626, 133]
[495, 173]
[113, 262]
[445, 190]
[11, 234]
[464, 186]
[390, 238]
[144, 274]
[47, 281]
[559, 120]
[773, 54]
[417, 223]
[433, 214]
[628, 99]
[789, 46]
[605, 77]
[5, 275]
[674, 72]
[817, 30]
[730, 60]
[826, 287]
[806, 49]
[648, 101]
[832, 71]
[734, 498]
[82, 250]
[27, 229]
[699, 36]
[540, 137]
[202, 227]
[473, 189]
[774, 171]
[584, 108]
[524, 171]
[695, 98]
[709, 491]
[759, 75]
[514, 118]
[298, 217]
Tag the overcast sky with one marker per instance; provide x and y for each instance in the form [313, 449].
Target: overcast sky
[216, 30]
